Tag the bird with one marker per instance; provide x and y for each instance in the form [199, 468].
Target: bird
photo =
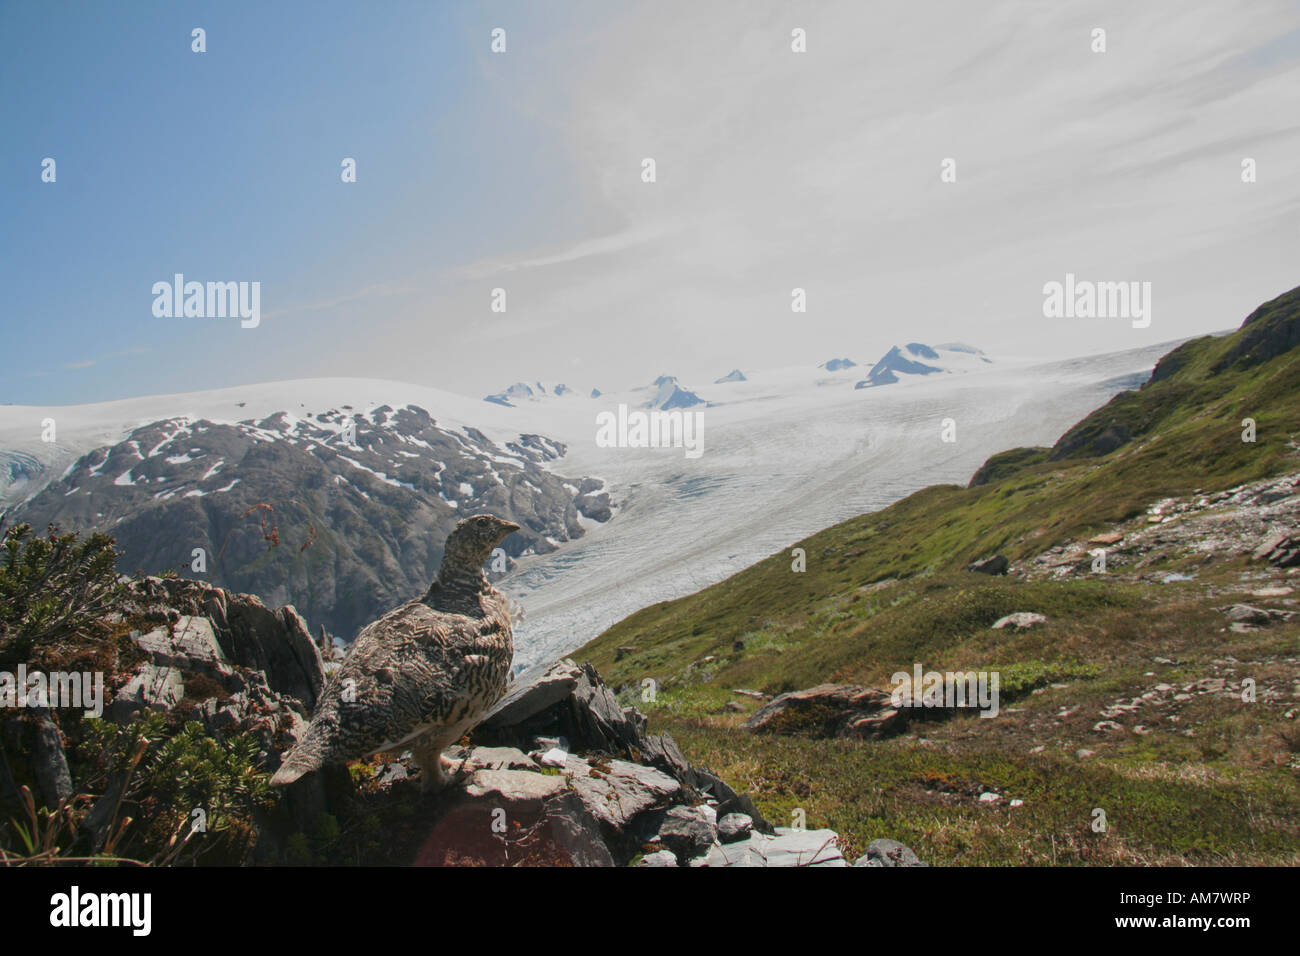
[423, 674]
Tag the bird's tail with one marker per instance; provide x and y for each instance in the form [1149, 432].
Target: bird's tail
[297, 763]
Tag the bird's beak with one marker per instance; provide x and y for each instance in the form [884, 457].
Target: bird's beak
[510, 527]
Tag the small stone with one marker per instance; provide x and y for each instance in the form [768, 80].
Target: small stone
[555, 757]
[1020, 620]
[686, 831]
[734, 826]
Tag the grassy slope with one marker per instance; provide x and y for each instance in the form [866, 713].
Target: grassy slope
[889, 588]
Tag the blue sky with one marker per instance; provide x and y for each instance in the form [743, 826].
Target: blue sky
[521, 170]
[225, 165]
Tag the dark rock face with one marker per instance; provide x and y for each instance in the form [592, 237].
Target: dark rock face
[687, 831]
[829, 710]
[1269, 331]
[893, 363]
[341, 514]
[249, 635]
[49, 761]
[1281, 551]
[995, 565]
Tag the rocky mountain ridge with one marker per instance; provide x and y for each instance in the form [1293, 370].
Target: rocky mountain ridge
[341, 513]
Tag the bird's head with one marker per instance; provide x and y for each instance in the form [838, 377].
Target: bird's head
[471, 542]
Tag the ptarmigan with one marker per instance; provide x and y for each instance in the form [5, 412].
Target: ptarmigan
[421, 675]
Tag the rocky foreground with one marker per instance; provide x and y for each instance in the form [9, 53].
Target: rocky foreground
[559, 774]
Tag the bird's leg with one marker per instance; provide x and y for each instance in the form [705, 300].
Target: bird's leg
[428, 757]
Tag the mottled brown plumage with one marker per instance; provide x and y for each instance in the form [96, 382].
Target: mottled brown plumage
[423, 674]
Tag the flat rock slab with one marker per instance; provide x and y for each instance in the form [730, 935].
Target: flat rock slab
[153, 687]
[514, 788]
[623, 791]
[499, 758]
[192, 644]
[786, 848]
[533, 692]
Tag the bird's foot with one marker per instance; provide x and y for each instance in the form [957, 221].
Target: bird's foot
[440, 772]
[453, 771]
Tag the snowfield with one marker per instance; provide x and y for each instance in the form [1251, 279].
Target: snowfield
[785, 453]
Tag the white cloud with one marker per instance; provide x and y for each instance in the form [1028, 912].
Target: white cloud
[821, 170]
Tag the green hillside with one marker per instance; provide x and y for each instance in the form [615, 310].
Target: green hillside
[890, 588]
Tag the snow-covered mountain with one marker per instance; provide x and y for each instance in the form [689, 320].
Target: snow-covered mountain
[735, 375]
[339, 507]
[669, 394]
[917, 359]
[784, 455]
[523, 392]
[838, 364]
[785, 452]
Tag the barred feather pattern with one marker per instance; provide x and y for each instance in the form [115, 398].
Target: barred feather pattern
[419, 677]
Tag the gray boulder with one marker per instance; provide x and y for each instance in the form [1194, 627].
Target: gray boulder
[995, 565]
[687, 831]
[889, 853]
[829, 710]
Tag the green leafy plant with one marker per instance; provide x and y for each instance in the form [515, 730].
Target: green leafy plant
[52, 586]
